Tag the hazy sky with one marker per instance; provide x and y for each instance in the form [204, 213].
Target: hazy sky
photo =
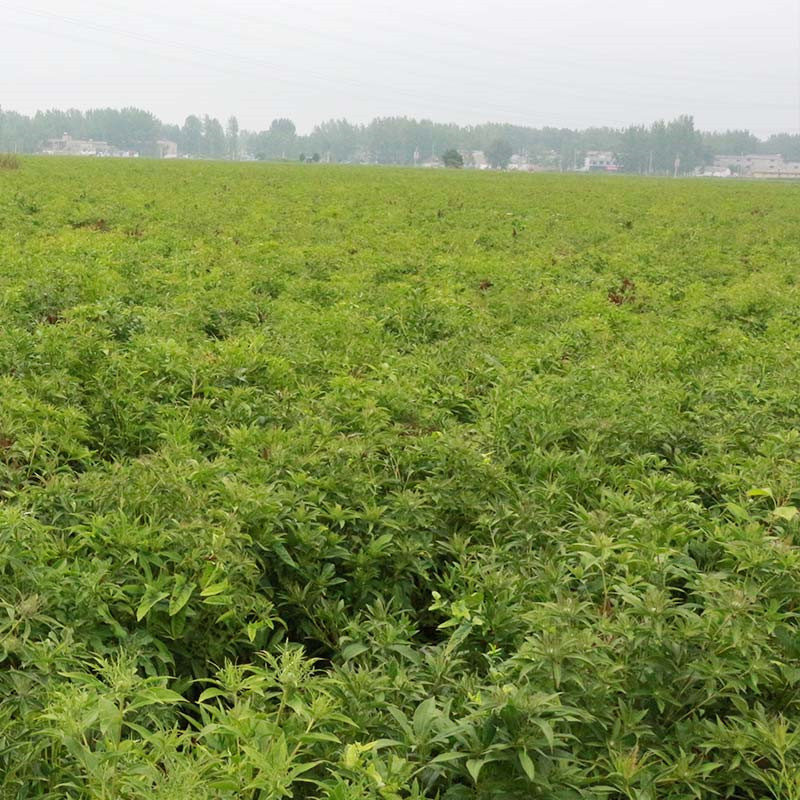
[575, 63]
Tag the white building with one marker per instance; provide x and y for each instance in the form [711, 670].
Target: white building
[757, 165]
[474, 159]
[67, 146]
[520, 163]
[167, 149]
[713, 172]
[788, 169]
[747, 164]
[600, 161]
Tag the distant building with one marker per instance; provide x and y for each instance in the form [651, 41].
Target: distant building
[713, 172]
[600, 161]
[746, 164]
[362, 156]
[758, 165]
[474, 159]
[67, 146]
[521, 163]
[788, 169]
[167, 149]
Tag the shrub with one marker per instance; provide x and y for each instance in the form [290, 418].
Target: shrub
[452, 159]
[324, 484]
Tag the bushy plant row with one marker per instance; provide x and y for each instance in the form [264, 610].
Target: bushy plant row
[362, 483]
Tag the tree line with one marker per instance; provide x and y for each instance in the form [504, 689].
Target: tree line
[391, 140]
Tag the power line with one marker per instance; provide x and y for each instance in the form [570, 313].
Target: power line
[227, 57]
[222, 61]
[428, 99]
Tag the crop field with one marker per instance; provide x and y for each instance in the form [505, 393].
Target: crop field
[348, 483]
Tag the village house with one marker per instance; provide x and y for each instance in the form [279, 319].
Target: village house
[713, 172]
[746, 164]
[521, 163]
[757, 165]
[67, 146]
[474, 159]
[600, 161]
[789, 169]
[167, 149]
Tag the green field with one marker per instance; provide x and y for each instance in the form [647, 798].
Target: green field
[343, 483]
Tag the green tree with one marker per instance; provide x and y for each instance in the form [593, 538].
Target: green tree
[685, 143]
[635, 149]
[192, 135]
[232, 134]
[281, 139]
[213, 138]
[787, 144]
[499, 153]
[452, 159]
[730, 143]
[339, 138]
[127, 128]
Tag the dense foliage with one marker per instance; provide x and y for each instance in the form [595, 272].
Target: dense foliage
[393, 140]
[452, 159]
[352, 483]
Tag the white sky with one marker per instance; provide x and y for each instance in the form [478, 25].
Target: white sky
[574, 63]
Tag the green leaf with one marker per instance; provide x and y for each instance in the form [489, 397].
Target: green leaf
[785, 512]
[379, 744]
[218, 600]
[353, 650]
[424, 715]
[283, 554]
[739, 512]
[210, 694]
[409, 652]
[766, 492]
[110, 719]
[151, 596]
[156, 695]
[547, 729]
[376, 546]
[214, 589]
[180, 596]
[307, 738]
[527, 765]
[443, 758]
[474, 767]
[351, 756]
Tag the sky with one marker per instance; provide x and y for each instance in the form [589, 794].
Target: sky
[565, 63]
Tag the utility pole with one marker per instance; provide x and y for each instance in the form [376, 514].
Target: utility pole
[650, 170]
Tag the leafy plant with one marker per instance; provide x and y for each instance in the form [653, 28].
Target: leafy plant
[9, 161]
[345, 484]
